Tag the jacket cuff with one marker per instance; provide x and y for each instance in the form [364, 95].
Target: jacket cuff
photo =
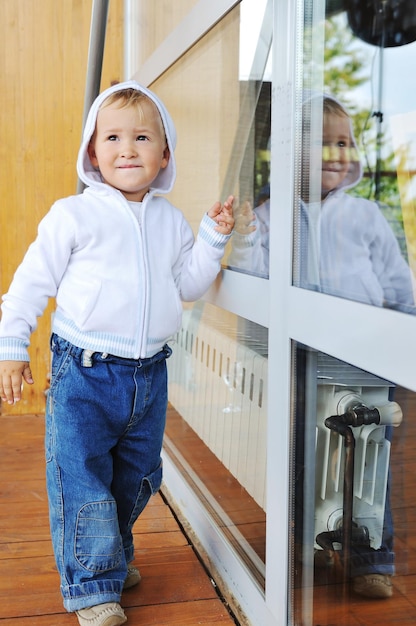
[211, 236]
[13, 349]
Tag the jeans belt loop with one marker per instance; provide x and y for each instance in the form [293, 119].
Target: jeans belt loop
[86, 359]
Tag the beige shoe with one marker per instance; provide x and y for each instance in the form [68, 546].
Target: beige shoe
[373, 586]
[107, 614]
[133, 577]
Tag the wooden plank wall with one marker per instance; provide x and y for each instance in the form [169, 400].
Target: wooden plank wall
[43, 51]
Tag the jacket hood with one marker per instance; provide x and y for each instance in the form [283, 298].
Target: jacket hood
[312, 98]
[86, 171]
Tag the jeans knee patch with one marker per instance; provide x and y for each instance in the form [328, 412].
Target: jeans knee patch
[98, 546]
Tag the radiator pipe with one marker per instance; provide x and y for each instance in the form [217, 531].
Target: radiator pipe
[326, 539]
[337, 423]
[356, 416]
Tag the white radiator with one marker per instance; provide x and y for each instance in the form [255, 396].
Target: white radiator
[218, 384]
[338, 386]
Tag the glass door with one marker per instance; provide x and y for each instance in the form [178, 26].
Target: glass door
[353, 273]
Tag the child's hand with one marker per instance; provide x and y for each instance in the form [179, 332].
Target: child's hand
[223, 215]
[12, 374]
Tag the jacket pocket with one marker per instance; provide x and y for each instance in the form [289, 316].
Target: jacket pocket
[79, 308]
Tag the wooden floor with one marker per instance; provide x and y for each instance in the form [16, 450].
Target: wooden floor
[175, 589]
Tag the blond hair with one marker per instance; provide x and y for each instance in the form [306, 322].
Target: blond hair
[331, 106]
[133, 98]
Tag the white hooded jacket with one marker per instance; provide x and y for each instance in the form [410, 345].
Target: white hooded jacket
[118, 283]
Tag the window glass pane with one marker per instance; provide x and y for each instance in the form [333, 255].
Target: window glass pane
[216, 426]
[355, 224]
[353, 512]
[249, 169]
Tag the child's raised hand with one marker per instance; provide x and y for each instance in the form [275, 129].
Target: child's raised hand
[223, 215]
[12, 374]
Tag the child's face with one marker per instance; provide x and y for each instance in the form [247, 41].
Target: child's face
[330, 155]
[129, 148]
[336, 151]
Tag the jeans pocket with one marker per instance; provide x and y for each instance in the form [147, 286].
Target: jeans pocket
[49, 429]
[149, 486]
[153, 480]
[98, 545]
[60, 362]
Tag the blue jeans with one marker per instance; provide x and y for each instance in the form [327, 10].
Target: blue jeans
[105, 420]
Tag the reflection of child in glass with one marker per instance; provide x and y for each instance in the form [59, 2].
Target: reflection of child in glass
[119, 258]
[347, 249]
